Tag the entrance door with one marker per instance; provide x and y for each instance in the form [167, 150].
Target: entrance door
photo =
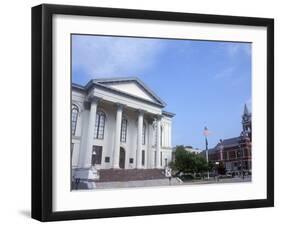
[122, 158]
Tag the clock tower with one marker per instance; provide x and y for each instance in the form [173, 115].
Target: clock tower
[247, 122]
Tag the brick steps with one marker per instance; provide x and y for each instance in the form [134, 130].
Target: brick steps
[107, 175]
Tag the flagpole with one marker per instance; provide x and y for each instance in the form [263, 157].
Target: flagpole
[207, 158]
[207, 151]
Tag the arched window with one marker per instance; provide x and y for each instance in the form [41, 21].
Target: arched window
[143, 133]
[74, 117]
[124, 124]
[99, 126]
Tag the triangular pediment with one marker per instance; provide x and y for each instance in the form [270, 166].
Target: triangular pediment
[133, 89]
[131, 86]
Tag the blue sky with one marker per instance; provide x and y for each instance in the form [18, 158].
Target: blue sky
[206, 83]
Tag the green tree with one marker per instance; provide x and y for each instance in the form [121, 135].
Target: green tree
[188, 162]
[211, 166]
[200, 164]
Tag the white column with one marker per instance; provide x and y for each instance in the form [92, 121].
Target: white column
[85, 161]
[158, 143]
[139, 139]
[149, 146]
[117, 136]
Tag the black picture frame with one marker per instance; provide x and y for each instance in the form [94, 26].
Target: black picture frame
[42, 111]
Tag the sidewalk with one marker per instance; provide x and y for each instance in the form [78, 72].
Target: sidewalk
[158, 182]
[137, 183]
[220, 181]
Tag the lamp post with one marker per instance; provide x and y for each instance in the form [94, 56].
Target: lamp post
[217, 169]
[206, 134]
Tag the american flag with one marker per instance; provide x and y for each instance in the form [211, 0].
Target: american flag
[206, 132]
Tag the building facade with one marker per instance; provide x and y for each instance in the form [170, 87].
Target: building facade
[118, 123]
[236, 152]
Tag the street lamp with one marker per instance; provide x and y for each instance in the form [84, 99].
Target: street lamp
[206, 134]
[217, 169]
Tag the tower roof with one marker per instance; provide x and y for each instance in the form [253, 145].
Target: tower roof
[246, 111]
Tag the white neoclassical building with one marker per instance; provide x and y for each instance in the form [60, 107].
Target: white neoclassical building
[118, 123]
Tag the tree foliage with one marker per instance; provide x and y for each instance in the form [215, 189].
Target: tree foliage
[189, 162]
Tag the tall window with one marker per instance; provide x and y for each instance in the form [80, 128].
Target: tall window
[161, 158]
[161, 132]
[99, 126]
[96, 155]
[71, 149]
[155, 135]
[155, 156]
[142, 157]
[74, 116]
[143, 133]
[123, 136]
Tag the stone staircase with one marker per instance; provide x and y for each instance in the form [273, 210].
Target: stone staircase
[107, 175]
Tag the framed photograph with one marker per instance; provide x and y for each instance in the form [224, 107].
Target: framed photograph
[145, 112]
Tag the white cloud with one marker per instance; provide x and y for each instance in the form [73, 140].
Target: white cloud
[100, 56]
[226, 73]
[234, 48]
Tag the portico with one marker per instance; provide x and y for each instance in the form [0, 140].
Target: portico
[119, 116]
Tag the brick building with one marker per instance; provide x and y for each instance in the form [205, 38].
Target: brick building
[236, 152]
